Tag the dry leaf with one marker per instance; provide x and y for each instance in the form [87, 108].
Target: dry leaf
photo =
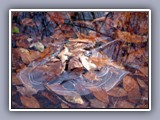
[87, 63]
[128, 37]
[142, 84]
[28, 21]
[144, 70]
[29, 102]
[90, 75]
[117, 92]
[124, 104]
[142, 106]
[57, 17]
[99, 62]
[74, 63]
[64, 105]
[27, 90]
[28, 56]
[132, 88]
[101, 95]
[15, 80]
[39, 46]
[97, 104]
[74, 99]
[64, 54]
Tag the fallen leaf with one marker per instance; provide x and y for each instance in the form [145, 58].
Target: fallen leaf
[64, 105]
[38, 45]
[15, 80]
[86, 63]
[50, 97]
[57, 17]
[99, 62]
[134, 22]
[132, 88]
[27, 56]
[29, 102]
[74, 99]
[144, 70]
[124, 104]
[117, 92]
[64, 54]
[90, 75]
[128, 37]
[142, 84]
[142, 106]
[83, 40]
[74, 63]
[15, 29]
[28, 21]
[101, 95]
[27, 90]
[97, 104]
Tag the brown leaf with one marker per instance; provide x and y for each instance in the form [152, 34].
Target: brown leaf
[99, 62]
[144, 70]
[135, 57]
[27, 90]
[74, 99]
[15, 80]
[74, 63]
[64, 105]
[124, 104]
[90, 75]
[101, 95]
[29, 102]
[142, 106]
[117, 92]
[57, 17]
[97, 104]
[132, 88]
[50, 97]
[28, 21]
[128, 37]
[23, 43]
[142, 84]
[87, 63]
[134, 22]
[28, 56]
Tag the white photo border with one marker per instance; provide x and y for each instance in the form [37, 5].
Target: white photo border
[70, 109]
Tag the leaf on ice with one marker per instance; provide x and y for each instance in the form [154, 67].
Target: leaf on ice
[37, 73]
[90, 75]
[87, 63]
[117, 92]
